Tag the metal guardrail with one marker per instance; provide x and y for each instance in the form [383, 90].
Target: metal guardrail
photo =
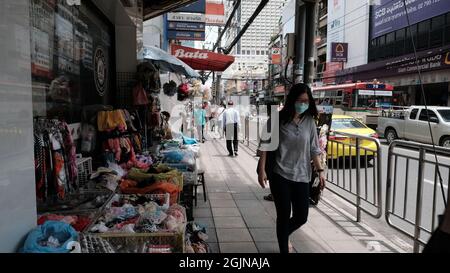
[360, 187]
[404, 224]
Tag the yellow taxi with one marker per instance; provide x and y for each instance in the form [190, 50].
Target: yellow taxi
[349, 125]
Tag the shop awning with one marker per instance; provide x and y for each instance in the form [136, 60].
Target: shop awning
[200, 59]
[154, 8]
[167, 62]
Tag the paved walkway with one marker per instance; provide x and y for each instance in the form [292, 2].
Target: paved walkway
[239, 220]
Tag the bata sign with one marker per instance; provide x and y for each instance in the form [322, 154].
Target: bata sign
[200, 59]
[181, 53]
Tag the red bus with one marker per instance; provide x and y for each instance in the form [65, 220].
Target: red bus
[362, 100]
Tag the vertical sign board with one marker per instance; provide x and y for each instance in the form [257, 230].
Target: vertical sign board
[339, 52]
[186, 26]
[336, 22]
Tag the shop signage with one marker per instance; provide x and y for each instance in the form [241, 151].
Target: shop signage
[196, 7]
[215, 13]
[181, 53]
[380, 93]
[280, 89]
[186, 35]
[186, 26]
[436, 59]
[339, 52]
[186, 17]
[201, 59]
[390, 15]
[276, 56]
[100, 71]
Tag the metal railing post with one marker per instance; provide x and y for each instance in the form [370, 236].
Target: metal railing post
[419, 200]
[358, 182]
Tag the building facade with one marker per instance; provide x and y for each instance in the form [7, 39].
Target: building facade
[390, 52]
[252, 50]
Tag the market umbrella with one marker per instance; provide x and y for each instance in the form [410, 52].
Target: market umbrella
[167, 62]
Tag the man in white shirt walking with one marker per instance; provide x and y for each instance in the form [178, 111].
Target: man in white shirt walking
[231, 125]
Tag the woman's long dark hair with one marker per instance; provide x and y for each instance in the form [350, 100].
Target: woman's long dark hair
[288, 112]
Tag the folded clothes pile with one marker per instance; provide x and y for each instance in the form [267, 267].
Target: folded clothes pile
[148, 217]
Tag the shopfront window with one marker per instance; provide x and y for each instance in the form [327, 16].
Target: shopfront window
[71, 55]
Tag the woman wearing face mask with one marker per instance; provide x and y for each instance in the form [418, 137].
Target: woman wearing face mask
[291, 163]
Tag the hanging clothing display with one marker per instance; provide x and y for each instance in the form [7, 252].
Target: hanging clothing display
[55, 159]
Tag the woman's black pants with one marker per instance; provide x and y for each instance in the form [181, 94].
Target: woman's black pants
[289, 196]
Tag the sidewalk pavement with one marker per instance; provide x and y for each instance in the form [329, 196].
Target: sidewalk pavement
[239, 220]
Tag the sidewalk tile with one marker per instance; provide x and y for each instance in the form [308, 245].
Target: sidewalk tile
[202, 212]
[267, 247]
[238, 248]
[222, 212]
[244, 196]
[332, 234]
[233, 235]
[212, 235]
[311, 247]
[262, 220]
[264, 234]
[229, 222]
[350, 246]
[220, 196]
[248, 204]
[214, 248]
[201, 203]
[205, 221]
[240, 189]
[223, 204]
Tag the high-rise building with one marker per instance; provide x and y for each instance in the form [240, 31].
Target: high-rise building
[251, 52]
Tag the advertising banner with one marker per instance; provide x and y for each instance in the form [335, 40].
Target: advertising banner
[390, 15]
[196, 7]
[276, 56]
[186, 17]
[339, 52]
[336, 21]
[186, 35]
[186, 26]
[215, 13]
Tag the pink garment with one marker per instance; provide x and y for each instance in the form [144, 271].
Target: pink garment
[113, 145]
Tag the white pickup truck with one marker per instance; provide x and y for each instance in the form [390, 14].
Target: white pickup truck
[412, 124]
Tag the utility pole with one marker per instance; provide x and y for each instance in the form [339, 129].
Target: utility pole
[304, 41]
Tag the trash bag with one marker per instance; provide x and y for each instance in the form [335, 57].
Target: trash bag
[51, 237]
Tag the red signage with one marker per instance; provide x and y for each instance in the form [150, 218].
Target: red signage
[276, 56]
[329, 75]
[215, 13]
[279, 89]
[200, 59]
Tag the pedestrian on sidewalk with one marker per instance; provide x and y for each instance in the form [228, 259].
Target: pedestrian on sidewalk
[200, 122]
[231, 123]
[208, 112]
[219, 119]
[288, 166]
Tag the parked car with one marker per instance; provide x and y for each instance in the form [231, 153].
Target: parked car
[412, 124]
[349, 125]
